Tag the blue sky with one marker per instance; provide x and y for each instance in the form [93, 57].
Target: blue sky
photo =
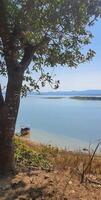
[86, 76]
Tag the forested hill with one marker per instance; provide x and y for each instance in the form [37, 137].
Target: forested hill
[85, 92]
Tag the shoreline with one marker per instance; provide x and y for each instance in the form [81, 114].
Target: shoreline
[83, 148]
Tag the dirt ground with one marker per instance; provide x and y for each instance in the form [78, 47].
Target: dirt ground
[37, 184]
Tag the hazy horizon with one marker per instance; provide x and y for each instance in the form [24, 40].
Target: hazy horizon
[56, 91]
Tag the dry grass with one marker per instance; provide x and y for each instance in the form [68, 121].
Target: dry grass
[64, 159]
[60, 182]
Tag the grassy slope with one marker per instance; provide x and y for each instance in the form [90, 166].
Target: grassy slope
[47, 173]
[29, 154]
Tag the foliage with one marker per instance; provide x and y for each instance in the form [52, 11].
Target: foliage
[59, 159]
[46, 34]
[26, 157]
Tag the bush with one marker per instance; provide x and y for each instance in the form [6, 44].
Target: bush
[25, 156]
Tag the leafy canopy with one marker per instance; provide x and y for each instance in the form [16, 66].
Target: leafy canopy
[47, 33]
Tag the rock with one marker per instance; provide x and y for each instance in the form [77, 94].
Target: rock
[50, 182]
[70, 182]
[17, 183]
[5, 187]
[46, 176]
[72, 191]
[25, 131]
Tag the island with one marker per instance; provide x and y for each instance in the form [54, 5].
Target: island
[95, 98]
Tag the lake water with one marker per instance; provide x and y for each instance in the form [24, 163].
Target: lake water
[62, 121]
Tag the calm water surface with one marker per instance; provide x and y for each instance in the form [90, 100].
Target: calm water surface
[63, 122]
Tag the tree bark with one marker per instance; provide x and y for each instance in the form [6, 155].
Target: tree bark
[8, 116]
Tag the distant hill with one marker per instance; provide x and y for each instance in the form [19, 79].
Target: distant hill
[85, 92]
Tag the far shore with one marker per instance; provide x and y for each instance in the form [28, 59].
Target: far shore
[94, 98]
[56, 97]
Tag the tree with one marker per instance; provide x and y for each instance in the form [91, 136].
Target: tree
[46, 33]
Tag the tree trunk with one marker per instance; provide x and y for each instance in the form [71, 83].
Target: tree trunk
[8, 116]
[7, 164]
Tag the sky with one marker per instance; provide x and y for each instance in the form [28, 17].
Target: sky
[86, 76]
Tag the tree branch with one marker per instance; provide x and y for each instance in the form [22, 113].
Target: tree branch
[89, 163]
[4, 31]
[9, 48]
[28, 54]
[29, 51]
[1, 97]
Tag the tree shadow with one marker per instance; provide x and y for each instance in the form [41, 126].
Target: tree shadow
[12, 188]
[27, 194]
